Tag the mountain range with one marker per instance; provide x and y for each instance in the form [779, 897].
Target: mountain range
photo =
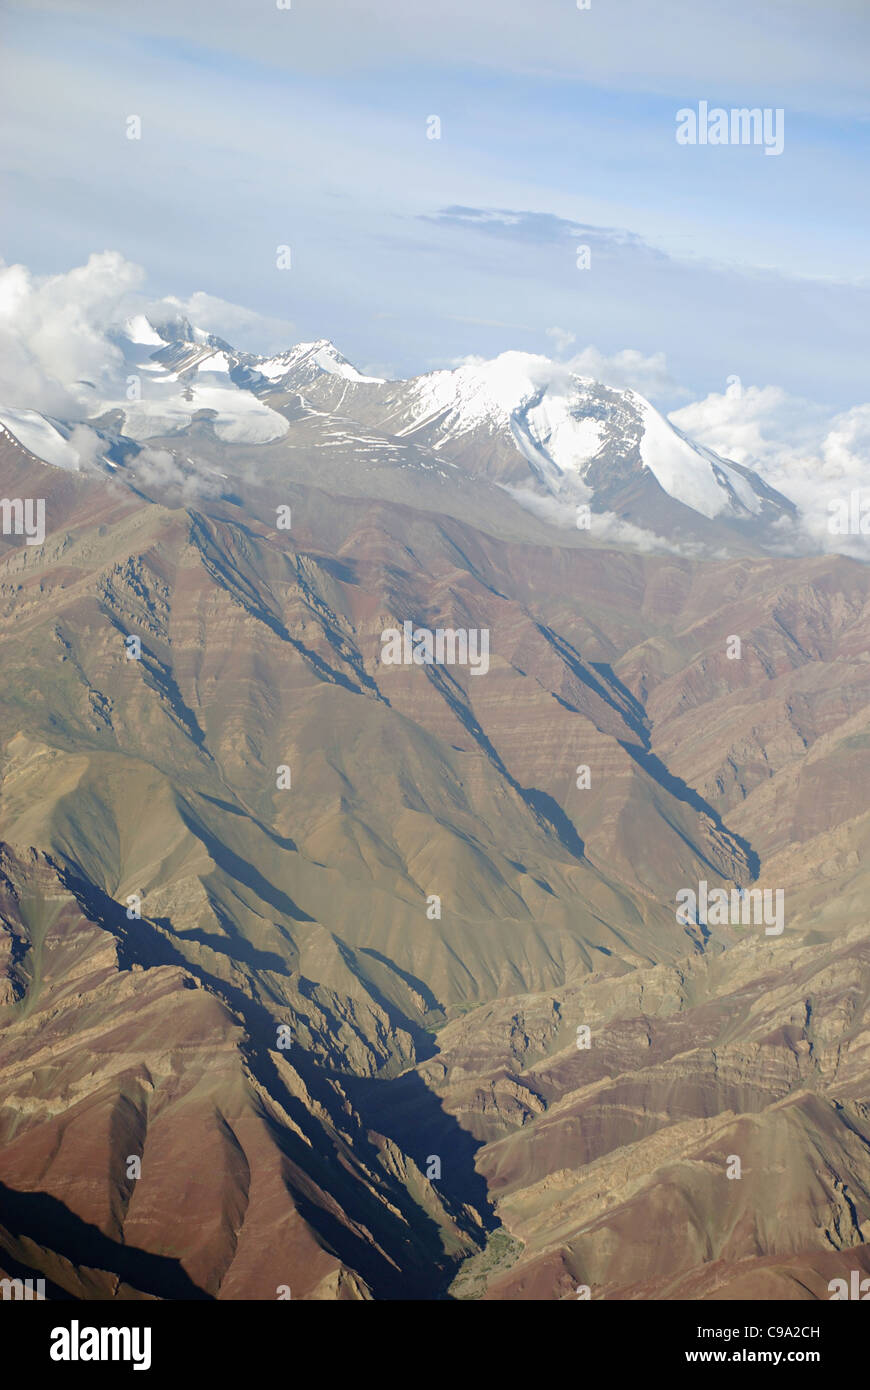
[366, 981]
[554, 440]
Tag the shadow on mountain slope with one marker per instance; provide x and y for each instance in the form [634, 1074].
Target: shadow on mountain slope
[42, 1218]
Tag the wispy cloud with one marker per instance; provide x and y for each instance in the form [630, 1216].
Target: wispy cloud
[558, 127]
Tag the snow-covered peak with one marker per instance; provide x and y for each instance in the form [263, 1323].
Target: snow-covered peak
[41, 436]
[508, 417]
[173, 370]
[689, 472]
[576, 434]
[479, 392]
[140, 331]
[309, 359]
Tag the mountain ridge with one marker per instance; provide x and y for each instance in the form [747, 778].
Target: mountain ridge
[594, 453]
[378, 904]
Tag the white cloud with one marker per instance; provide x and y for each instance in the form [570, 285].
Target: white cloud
[243, 328]
[59, 352]
[159, 468]
[53, 333]
[562, 339]
[647, 374]
[605, 527]
[797, 446]
[88, 446]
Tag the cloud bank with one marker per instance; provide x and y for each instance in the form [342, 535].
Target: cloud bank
[814, 458]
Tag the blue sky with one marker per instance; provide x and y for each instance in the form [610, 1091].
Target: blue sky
[263, 127]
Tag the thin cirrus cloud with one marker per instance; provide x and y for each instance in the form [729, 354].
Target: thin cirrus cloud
[634, 46]
[711, 319]
[264, 127]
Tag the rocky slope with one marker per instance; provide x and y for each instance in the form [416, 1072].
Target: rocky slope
[377, 901]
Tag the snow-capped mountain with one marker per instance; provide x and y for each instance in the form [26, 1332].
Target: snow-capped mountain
[173, 372]
[525, 421]
[304, 363]
[518, 421]
[47, 439]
